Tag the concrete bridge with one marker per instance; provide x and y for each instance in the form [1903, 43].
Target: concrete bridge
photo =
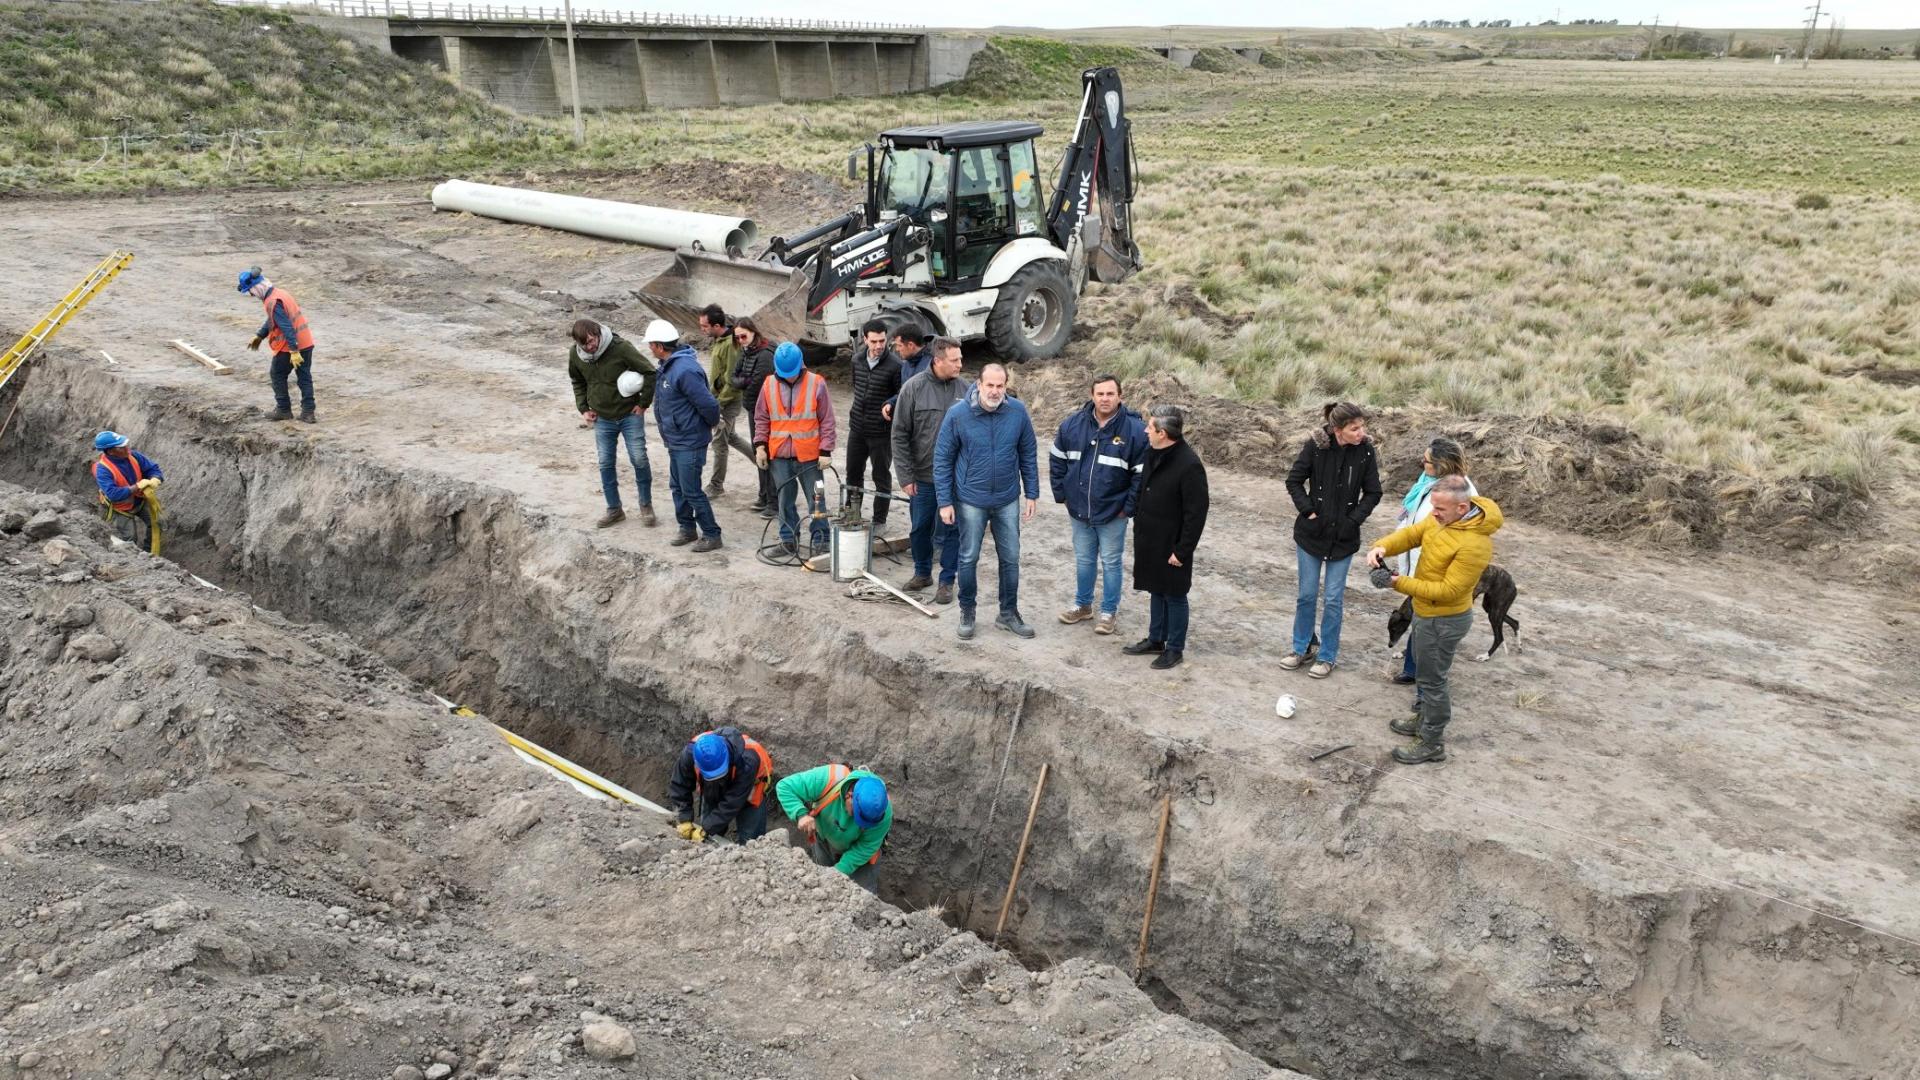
[517, 55]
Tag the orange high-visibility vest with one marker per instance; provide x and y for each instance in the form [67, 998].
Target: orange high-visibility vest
[763, 774]
[837, 775]
[302, 337]
[119, 478]
[800, 425]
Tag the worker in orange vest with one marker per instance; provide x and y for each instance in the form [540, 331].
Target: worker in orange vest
[128, 482]
[719, 782]
[792, 427]
[287, 334]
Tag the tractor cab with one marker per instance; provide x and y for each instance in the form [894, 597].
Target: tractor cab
[973, 186]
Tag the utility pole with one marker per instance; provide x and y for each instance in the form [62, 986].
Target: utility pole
[573, 81]
[1806, 39]
[1653, 37]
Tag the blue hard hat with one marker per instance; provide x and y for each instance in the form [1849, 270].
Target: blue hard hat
[869, 801]
[710, 756]
[249, 278]
[107, 440]
[786, 360]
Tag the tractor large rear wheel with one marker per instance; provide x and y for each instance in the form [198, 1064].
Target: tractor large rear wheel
[1033, 316]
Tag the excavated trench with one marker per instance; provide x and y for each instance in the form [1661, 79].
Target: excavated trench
[1268, 928]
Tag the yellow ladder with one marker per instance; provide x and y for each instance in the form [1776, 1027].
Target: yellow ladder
[62, 312]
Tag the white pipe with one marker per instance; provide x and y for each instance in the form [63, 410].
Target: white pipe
[654, 226]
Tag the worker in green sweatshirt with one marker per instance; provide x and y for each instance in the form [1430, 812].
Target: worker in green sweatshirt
[844, 814]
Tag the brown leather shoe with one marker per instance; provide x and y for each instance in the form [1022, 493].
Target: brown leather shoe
[613, 516]
[916, 583]
[943, 594]
[1076, 614]
[646, 517]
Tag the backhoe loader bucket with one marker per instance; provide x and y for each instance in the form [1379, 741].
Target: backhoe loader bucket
[773, 294]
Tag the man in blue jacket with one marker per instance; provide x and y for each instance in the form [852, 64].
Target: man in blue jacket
[983, 462]
[1097, 461]
[686, 412]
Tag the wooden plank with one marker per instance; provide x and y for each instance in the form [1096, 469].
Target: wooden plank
[918, 606]
[213, 365]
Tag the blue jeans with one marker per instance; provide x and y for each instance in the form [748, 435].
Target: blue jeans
[752, 822]
[690, 505]
[606, 439]
[793, 477]
[278, 371]
[930, 532]
[973, 522]
[1104, 544]
[1311, 567]
[1167, 620]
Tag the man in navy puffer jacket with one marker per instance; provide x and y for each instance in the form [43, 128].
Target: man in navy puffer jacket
[1097, 462]
[686, 412]
[984, 461]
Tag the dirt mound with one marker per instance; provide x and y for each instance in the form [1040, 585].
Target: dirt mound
[235, 846]
[1593, 478]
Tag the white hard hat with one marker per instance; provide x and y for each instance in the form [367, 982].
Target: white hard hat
[662, 331]
[630, 383]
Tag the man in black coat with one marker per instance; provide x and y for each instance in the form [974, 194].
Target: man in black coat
[1335, 484]
[1168, 517]
[719, 781]
[876, 382]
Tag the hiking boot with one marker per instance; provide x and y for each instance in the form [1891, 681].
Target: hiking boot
[1406, 725]
[966, 626]
[613, 516]
[277, 414]
[1076, 614]
[1292, 661]
[684, 539]
[306, 416]
[1167, 659]
[1145, 646]
[1320, 670]
[943, 594]
[707, 543]
[1012, 623]
[767, 511]
[1401, 678]
[1106, 623]
[716, 489]
[916, 583]
[646, 517]
[1420, 753]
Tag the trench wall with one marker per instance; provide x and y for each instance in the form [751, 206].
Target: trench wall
[1316, 934]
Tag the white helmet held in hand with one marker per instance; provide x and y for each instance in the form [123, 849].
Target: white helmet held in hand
[662, 332]
[630, 383]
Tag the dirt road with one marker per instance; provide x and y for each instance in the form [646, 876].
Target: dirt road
[1681, 739]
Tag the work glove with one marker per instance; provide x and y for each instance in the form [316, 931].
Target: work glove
[295, 360]
[698, 835]
[254, 345]
[685, 829]
[760, 456]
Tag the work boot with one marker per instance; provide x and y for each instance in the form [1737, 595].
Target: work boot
[277, 414]
[768, 511]
[707, 543]
[1420, 753]
[716, 489]
[916, 583]
[966, 625]
[1076, 614]
[1406, 725]
[613, 516]
[1292, 661]
[646, 517]
[1106, 623]
[1145, 646]
[1012, 623]
[943, 594]
[684, 539]
[306, 416]
[1167, 659]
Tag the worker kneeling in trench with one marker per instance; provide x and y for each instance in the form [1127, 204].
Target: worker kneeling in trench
[844, 815]
[719, 782]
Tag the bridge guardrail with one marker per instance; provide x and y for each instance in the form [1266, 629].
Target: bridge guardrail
[468, 12]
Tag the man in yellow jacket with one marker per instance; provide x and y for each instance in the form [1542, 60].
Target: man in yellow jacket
[1455, 544]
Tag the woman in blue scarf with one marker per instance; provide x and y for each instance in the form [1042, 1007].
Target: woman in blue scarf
[1443, 458]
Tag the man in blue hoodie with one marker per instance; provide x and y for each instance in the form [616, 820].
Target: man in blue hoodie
[983, 462]
[1097, 461]
[686, 412]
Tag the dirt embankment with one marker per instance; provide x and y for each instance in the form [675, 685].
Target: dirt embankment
[1306, 928]
[238, 846]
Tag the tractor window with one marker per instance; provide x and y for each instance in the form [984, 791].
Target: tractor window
[982, 208]
[913, 182]
[1028, 215]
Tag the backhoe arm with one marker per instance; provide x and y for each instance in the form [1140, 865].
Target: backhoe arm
[1097, 169]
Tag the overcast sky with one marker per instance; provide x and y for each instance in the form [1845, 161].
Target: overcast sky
[1857, 14]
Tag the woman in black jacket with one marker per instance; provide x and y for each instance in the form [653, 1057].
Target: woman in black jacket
[1335, 484]
[753, 369]
[1168, 517]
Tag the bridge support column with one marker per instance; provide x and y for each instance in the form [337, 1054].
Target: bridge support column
[678, 73]
[856, 68]
[609, 73]
[746, 72]
[806, 70]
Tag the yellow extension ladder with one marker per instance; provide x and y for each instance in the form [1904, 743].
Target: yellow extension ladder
[62, 312]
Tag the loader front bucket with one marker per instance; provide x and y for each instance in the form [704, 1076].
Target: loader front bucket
[773, 294]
